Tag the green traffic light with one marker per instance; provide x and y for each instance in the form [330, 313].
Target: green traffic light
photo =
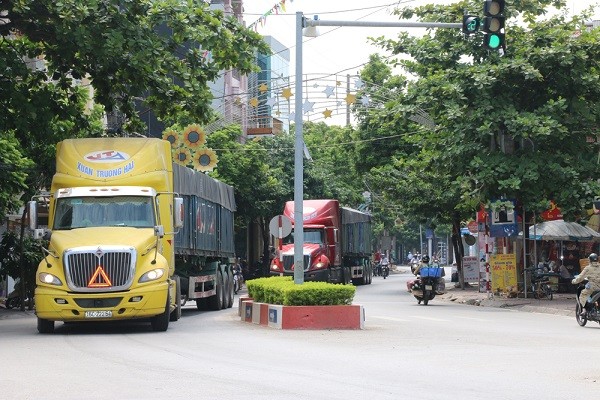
[494, 41]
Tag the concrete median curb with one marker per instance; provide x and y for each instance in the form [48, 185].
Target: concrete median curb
[344, 317]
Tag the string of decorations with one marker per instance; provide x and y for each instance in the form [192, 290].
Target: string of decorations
[275, 9]
[189, 148]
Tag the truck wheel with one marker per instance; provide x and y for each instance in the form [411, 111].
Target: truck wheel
[160, 323]
[216, 302]
[176, 314]
[45, 326]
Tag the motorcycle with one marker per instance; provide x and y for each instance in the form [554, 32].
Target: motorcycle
[428, 284]
[592, 306]
[385, 270]
[237, 280]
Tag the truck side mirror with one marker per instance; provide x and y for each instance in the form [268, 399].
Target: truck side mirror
[179, 212]
[32, 205]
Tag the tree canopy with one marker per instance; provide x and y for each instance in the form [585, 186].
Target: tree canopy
[55, 56]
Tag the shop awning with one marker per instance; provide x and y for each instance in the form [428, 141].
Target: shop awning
[563, 230]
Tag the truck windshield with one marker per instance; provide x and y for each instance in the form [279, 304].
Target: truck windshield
[310, 236]
[83, 212]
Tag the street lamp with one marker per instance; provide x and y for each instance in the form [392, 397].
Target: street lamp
[301, 23]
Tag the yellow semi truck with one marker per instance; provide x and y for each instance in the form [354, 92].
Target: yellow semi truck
[132, 235]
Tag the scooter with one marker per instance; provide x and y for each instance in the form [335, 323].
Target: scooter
[592, 306]
[427, 285]
[385, 270]
[237, 280]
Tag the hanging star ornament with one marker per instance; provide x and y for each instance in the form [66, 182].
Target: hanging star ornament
[350, 98]
[327, 113]
[329, 91]
[364, 100]
[287, 93]
[271, 101]
[358, 83]
[263, 87]
[253, 102]
[307, 106]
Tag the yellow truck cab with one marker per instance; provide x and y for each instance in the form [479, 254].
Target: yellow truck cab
[112, 221]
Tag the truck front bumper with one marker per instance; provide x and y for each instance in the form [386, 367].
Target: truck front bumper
[58, 305]
[321, 275]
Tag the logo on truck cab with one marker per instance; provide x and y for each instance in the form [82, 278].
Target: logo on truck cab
[106, 156]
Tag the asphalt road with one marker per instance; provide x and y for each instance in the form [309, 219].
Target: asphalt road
[406, 351]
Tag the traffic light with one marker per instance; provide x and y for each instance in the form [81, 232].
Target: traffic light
[470, 24]
[493, 24]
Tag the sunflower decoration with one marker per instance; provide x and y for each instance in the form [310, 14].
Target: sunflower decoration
[183, 156]
[205, 160]
[172, 137]
[194, 136]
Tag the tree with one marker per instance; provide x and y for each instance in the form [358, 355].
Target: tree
[496, 121]
[160, 53]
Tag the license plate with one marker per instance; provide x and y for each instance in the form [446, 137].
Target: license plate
[98, 314]
[428, 287]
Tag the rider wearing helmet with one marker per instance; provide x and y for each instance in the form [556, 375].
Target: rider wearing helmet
[424, 263]
[592, 274]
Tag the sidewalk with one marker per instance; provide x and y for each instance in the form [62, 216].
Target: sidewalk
[561, 303]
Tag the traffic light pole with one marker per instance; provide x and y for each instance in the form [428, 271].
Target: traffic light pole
[400, 24]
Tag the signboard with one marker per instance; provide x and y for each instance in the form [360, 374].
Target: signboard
[280, 226]
[503, 218]
[473, 227]
[471, 268]
[503, 268]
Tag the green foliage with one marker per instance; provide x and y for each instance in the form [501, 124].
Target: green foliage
[160, 54]
[282, 290]
[11, 262]
[490, 127]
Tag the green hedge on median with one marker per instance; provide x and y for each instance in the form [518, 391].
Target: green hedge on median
[282, 290]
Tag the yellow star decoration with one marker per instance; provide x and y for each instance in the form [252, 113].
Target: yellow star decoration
[327, 113]
[205, 160]
[194, 136]
[287, 93]
[339, 83]
[263, 87]
[350, 98]
[254, 102]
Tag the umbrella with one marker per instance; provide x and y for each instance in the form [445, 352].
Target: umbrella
[563, 230]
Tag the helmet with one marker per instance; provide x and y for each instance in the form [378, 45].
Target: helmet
[425, 259]
[593, 257]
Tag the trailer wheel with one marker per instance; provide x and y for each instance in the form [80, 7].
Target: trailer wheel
[176, 314]
[160, 323]
[45, 326]
[216, 302]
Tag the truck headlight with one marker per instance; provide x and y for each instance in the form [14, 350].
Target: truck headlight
[152, 275]
[49, 279]
[319, 265]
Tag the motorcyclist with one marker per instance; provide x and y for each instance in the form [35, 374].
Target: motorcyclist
[591, 273]
[424, 263]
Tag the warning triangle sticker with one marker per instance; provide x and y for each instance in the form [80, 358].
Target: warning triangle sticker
[99, 279]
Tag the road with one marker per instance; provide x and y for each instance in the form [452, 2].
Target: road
[406, 351]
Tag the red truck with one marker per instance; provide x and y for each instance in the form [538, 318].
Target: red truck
[337, 244]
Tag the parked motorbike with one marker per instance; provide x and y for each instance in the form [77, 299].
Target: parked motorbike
[237, 280]
[427, 284]
[592, 306]
[14, 300]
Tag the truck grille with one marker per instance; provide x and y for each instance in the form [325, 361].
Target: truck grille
[100, 269]
[288, 262]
